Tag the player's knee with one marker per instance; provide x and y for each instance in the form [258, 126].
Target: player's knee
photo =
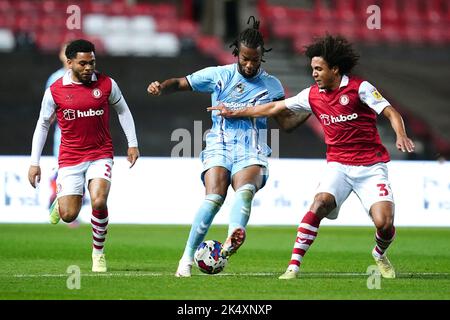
[99, 203]
[385, 226]
[246, 192]
[68, 216]
[323, 203]
[383, 218]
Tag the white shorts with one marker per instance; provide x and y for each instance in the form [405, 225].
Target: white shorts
[369, 183]
[71, 180]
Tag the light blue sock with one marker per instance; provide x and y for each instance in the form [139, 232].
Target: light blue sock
[201, 224]
[242, 205]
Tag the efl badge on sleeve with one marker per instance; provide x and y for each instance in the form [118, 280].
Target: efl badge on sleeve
[377, 95]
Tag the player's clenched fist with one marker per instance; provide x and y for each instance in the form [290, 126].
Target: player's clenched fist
[155, 88]
[34, 175]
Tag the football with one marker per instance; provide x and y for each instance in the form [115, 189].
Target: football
[208, 259]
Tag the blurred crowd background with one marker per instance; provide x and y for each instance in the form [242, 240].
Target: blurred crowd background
[407, 58]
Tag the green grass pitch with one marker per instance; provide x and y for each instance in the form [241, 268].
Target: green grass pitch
[142, 260]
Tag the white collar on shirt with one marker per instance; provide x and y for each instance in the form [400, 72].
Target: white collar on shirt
[344, 83]
[67, 78]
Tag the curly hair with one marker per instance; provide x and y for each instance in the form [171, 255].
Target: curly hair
[251, 38]
[336, 51]
[79, 45]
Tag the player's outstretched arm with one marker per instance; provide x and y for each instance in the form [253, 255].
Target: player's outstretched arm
[263, 110]
[168, 86]
[403, 143]
[289, 120]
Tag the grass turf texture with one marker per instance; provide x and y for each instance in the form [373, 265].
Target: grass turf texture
[142, 260]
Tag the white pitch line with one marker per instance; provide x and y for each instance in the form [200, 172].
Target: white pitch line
[107, 274]
[335, 274]
[251, 274]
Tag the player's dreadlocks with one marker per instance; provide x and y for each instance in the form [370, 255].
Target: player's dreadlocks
[336, 51]
[251, 38]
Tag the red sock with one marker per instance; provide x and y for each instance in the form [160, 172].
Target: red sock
[383, 244]
[306, 233]
[99, 222]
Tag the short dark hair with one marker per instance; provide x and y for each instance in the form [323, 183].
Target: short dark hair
[79, 45]
[250, 37]
[336, 51]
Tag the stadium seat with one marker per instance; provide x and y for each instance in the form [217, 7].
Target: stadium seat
[94, 24]
[26, 23]
[6, 7]
[97, 7]
[117, 25]
[163, 11]
[142, 25]
[49, 42]
[435, 34]
[434, 10]
[166, 25]
[209, 44]
[348, 29]
[118, 8]
[49, 6]
[100, 48]
[117, 44]
[344, 10]
[321, 12]
[25, 6]
[300, 42]
[141, 9]
[48, 22]
[390, 11]
[7, 41]
[7, 20]
[187, 28]
[69, 35]
[225, 57]
[166, 44]
[414, 34]
[276, 13]
[284, 29]
[391, 33]
[415, 14]
[142, 45]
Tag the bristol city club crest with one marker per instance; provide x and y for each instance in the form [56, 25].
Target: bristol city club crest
[344, 100]
[96, 93]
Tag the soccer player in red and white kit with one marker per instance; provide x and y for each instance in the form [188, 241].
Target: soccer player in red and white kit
[81, 101]
[346, 107]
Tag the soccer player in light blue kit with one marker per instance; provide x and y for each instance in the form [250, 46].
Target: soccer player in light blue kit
[236, 150]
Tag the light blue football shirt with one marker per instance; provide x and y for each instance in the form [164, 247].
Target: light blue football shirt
[55, 76]
[228, 86]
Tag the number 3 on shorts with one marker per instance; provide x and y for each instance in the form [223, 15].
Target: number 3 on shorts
[383, 191]
[108, 170]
